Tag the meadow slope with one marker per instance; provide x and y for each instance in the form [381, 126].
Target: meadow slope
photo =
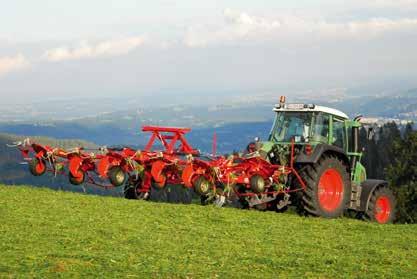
[46, 233]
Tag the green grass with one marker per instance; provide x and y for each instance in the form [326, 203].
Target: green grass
[44, 233]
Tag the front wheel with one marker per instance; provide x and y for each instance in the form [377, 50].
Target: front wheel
[381, 208]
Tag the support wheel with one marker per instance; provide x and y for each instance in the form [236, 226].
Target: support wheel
[77, 180]
[381, 208]
[37, 167]
[131, 190]
[117, 176]
[328, 188]
[202, 186]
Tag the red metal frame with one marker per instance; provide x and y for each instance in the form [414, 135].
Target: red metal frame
[177, 163]
[169, 137]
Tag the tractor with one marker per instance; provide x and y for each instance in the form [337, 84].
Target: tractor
[322, 147]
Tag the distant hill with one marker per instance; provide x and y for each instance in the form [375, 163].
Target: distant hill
[235, 123]
[234, 136]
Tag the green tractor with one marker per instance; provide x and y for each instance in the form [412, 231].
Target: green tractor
[327, 158]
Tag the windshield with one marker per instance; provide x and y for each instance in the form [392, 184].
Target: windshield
[289, 125]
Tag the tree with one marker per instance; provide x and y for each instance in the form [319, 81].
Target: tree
[402, 175]
[408, 129]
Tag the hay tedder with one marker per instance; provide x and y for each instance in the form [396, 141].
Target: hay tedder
[311, 160]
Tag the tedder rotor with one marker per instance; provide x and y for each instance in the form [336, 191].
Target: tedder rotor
[311, 159]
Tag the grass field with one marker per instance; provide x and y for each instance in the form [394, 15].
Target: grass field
[44, 233]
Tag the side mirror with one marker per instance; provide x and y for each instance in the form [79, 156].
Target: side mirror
[371, 133]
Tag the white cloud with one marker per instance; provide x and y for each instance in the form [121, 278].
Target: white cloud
[242, 27]
[377, 25]
[87, 50]
[388, 3]
[244, 19]
[12, 64]
[236, 26]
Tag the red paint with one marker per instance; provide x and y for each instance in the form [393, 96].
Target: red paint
[169, 138]
[157, 172]
[177, 163]
[330, 190]
[40, 167]
[75, 165]
[382, 209]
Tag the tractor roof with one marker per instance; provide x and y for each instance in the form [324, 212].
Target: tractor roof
[308, 108]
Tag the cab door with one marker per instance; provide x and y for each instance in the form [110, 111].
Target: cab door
[339, 133]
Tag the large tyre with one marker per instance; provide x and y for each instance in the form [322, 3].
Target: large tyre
[37, 167]
[328, 188]
[381, 208]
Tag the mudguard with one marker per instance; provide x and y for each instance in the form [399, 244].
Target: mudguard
[317, 153]
[368, 187]
[157, 172]
[74, 165]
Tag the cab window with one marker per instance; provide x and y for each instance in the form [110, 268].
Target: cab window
[321, 128]
[339, 132]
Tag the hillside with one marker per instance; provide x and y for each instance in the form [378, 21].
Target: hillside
[44, 232]
[236, 122]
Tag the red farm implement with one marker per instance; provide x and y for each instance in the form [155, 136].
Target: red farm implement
[212, 177]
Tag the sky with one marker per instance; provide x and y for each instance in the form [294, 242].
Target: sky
[68, 49]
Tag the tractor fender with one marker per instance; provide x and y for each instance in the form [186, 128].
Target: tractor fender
[318, 152]
[368, 187]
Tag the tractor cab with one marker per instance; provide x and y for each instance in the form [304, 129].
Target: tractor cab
[308, 123]
[314, 130]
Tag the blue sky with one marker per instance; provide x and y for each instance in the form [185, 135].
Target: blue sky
[73, 48]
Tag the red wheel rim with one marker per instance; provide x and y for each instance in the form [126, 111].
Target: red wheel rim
[382, 209]
[330, 190]
[40, 167]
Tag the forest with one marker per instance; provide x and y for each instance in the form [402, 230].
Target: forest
[391, 154]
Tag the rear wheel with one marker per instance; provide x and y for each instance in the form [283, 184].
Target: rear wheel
[328, 188]
[37, 167]
[381, 208]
